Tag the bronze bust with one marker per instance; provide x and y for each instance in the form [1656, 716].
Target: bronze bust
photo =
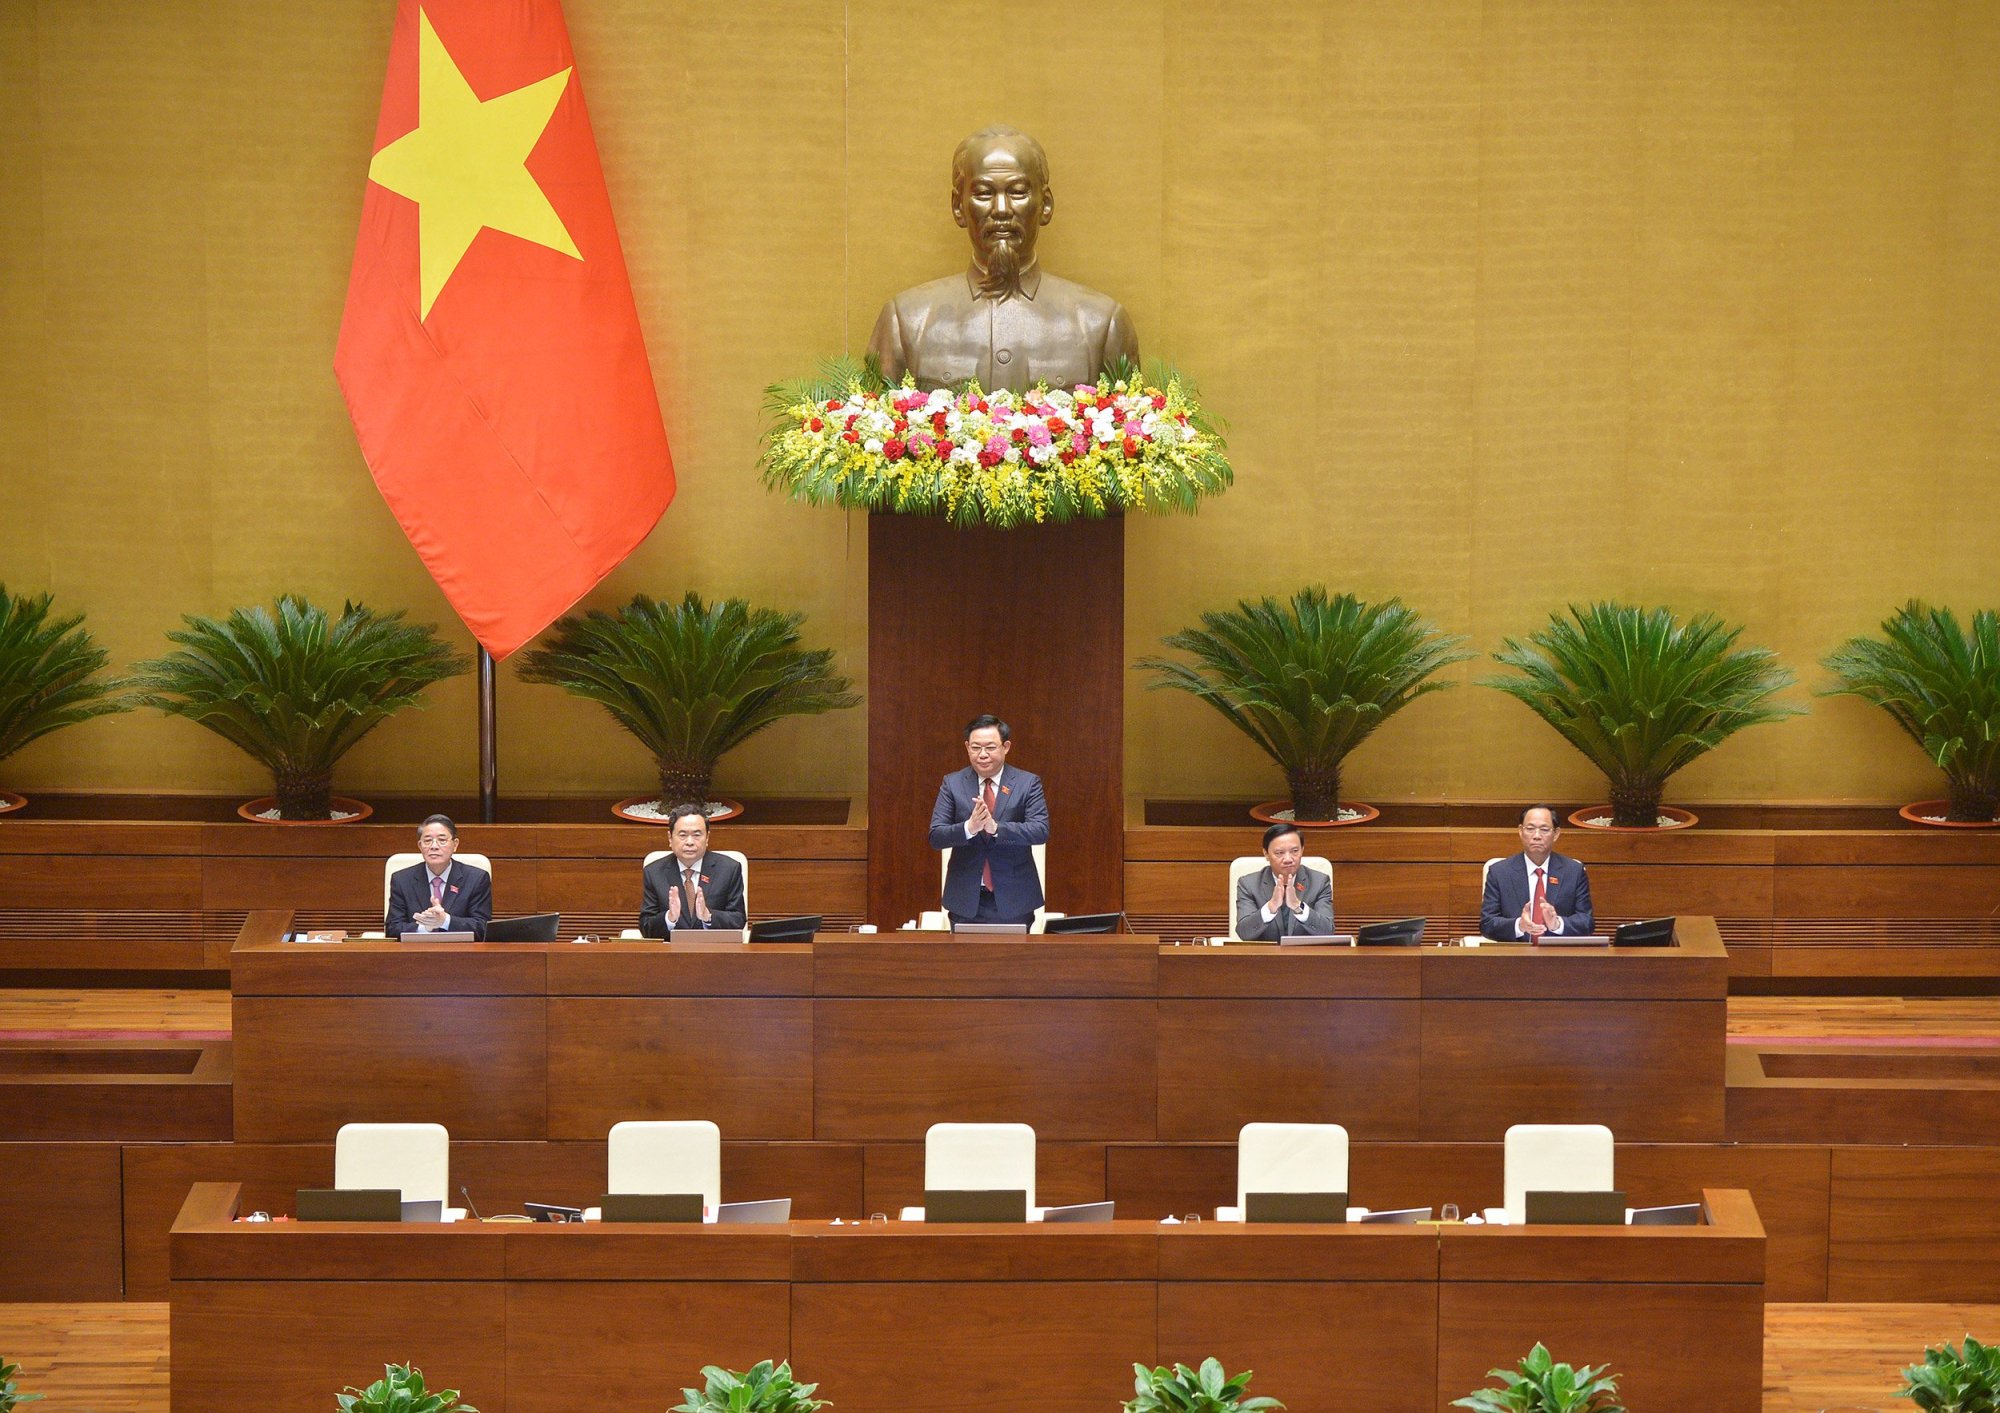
[1004, 321]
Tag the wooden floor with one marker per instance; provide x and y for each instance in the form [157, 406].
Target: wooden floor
[113, 1358]
[1799, 1017]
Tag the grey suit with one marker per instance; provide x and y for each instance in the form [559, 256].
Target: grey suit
[1253, 890]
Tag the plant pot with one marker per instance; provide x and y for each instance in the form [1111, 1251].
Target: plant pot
[355, 811]
[1931, 814]
[631, 810]
[1681, 820]
[9, 802]
[1280, 812]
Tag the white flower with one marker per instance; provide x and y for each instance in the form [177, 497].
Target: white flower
[938, 401]
[963, 454]
[873, 444]
[1013, 453]
[1040, 455]
[1187, 431]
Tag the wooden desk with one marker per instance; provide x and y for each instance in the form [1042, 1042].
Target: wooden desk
[872, 1039]
[1399, 1319]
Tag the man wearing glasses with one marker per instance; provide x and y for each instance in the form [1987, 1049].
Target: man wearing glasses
[1537, 892]
[990, 815]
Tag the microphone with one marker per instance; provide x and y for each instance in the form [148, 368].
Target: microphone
[467, 1195]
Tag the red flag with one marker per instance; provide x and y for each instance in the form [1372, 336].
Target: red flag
[490, 352]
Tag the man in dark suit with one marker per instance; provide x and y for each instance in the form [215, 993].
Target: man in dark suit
[691, 887]
[1284, 898]
[440, 894]
[990, 815]
[1537, 892]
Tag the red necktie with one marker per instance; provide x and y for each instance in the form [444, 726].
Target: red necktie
[986, 872]
[1538, 893]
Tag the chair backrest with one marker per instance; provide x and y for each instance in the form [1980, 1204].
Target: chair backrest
[415, 1158]
[980, 1158]
[1247, 864]
[742, 862]
[398, 862]
[656, 1156]
[1556, 1158]
[1290, 1158]
[1487, 868]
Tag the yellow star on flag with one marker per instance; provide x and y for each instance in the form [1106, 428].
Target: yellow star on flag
[465, 164]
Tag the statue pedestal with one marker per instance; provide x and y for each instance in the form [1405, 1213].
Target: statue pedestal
[1028, 624]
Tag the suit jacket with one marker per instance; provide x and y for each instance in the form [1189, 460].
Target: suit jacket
[1507, 892]
[1023, 820]
[1253, 890]
[468, 898]
[722, 886]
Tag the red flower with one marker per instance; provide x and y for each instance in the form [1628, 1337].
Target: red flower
[989, 458]
[1131, 446]
[901, 424]
[1068, 458]
[937, 422]
[815, 425]
[1159, 402]
[1020, 437]
[833, 405]
[850, 436]
[893, 448]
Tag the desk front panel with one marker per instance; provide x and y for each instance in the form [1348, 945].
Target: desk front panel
[1320, 1346]
[290, 1346]
[1225, 1063]
[305, 1065]
[1054, 1346]
[1075, 1069]
[744, 1062]
[1650, 1070]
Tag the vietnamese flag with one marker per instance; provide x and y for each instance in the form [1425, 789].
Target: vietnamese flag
[490, 352]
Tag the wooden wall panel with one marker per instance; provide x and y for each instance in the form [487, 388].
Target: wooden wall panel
[100, 882]
[1914, 1224]
[1024, 623]
[60, 1241]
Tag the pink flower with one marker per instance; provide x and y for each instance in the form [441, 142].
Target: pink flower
[1038, 434]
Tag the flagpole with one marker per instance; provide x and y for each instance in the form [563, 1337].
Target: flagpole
[489, 768]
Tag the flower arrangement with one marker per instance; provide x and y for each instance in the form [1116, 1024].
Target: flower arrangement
[1000, 458]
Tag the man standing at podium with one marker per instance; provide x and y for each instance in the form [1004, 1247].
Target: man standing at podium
[990, 816]
[1537, 892]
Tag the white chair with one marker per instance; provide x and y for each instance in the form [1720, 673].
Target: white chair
[398, 862]
[938, 920]
[1290, 1158]
[413, 1158]
[980, 1158]
[632, 934]
[681, 1155]
[1555, 1158]
[1239, 868]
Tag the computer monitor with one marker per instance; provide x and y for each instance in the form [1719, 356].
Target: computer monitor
[1084, 922]
[785, 929]
[536, 927]
[1405, 932]
[1654, 932]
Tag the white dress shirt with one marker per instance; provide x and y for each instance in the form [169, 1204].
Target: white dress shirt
[444, 894]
